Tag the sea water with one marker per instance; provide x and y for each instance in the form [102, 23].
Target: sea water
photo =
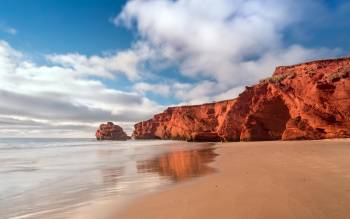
[40, 177]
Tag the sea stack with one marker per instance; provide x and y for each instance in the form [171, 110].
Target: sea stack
[305, 101]
[111, 131]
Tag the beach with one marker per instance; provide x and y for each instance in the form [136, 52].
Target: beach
[274, 179]
[85, 179]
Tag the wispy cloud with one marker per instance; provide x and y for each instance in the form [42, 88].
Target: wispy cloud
[127, 62]
[7, 29]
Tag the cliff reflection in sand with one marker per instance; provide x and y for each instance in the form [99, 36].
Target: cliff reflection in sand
[180, 165]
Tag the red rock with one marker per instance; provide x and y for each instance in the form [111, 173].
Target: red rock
[110, 131]
[304, 101]
[185, 123]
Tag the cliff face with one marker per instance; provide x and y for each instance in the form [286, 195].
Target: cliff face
[111, 131]
[197, 123]
[305, 101]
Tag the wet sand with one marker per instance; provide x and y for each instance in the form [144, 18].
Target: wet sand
[296, 179]
[176, 164]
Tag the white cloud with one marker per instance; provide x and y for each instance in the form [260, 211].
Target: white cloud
[222, 44]
[229, 94]
[200, 92]
[58, 95]
[159, 89]
[129, 62]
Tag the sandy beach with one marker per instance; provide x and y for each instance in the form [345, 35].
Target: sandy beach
[295, 179]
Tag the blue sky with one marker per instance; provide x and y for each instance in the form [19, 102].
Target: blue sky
[125, 60]
[59, 26]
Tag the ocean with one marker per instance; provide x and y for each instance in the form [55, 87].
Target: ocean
[52, 178]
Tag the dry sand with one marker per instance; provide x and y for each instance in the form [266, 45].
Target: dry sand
[297, 179]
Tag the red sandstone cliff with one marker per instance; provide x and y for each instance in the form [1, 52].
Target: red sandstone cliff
[304, 101]
[198, 123]
[111, 131]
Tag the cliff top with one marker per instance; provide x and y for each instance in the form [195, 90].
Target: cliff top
[320, 62]
[203, 104]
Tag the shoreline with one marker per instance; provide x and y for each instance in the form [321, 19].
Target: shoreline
[179, 163]
[273, 179]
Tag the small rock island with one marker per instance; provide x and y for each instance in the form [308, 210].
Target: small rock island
[110, 131]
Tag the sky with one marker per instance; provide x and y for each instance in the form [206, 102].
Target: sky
[67, 66]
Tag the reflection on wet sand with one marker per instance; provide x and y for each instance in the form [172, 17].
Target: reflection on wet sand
[180, 165]
[110, 175]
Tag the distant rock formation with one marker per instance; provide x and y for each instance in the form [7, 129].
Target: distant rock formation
[304, 101]
[111, 131]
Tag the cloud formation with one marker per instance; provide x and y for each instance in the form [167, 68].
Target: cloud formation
[57, 95]
[159, 89]
[129, 62]
[223, 44]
